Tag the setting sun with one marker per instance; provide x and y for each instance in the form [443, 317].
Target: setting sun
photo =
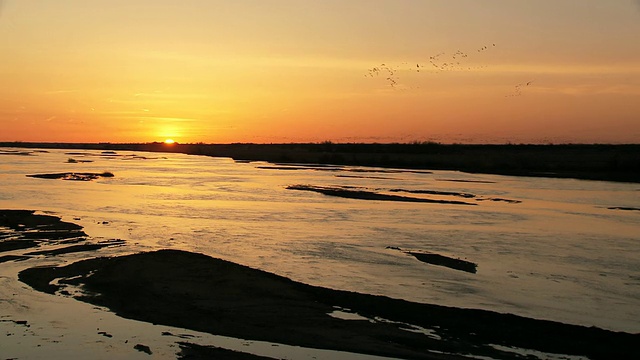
[169, 141]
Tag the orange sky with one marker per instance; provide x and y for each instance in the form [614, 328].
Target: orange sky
[299, 71]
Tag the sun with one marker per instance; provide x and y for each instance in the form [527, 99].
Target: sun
[169, 141]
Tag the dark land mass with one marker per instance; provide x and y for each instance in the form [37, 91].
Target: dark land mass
[6, 258]
[446, 261]
[24, 229]
[17, 244]
[317, 167]
[369, 195]
[189, 351]
[364, 177]
[15, 153]
[75, 248]
[195, 291]
[624, 208]
[435, 192]
[361, 194]
[592, 162]
[458, 194]
[440, 260]
[467, 181]
[143, 348]
[74, 161]
[201, 293]
[73, 176]
[509, 201]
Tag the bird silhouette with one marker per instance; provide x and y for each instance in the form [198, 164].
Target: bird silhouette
[517, 89]
[437, 63]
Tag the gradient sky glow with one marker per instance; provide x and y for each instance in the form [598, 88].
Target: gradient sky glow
[298, 71]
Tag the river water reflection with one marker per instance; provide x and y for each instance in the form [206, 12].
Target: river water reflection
[557, 249]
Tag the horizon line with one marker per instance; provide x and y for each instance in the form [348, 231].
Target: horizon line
[327, 142]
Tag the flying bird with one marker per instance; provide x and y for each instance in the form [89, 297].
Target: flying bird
[517, 91]
[440, 62]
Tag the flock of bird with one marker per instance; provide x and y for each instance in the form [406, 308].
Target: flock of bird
[438, 63]
[441, 62]
[518, 89]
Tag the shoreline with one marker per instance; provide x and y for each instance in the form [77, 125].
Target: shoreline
[201, 293]
[586, 162]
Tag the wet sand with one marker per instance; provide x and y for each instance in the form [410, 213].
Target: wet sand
[369, 195]
[432, 258]
[624, 208]
[194, 291]
[73, 176]
[350, 192]
[190, 351]
[26, 230]
[446, 261]
[201, 293]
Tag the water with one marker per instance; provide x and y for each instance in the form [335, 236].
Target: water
[560, 254]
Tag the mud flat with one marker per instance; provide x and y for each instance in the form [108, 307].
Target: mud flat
[446, 261]
[73, 176]
[350, 192]
[202, 293]
[369, 195]
[327, 167]
[440, 260]
[16, 153]
[434, 192]
[42, 234]
[20, 229]
[189, 351]
[624, 208]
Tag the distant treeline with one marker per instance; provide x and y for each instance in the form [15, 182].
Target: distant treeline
[594, 162]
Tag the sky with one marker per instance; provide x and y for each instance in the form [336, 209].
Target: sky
[281, 71]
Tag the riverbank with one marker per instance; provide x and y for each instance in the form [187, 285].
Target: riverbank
[590, 162]
[202, 293]
[197, 292]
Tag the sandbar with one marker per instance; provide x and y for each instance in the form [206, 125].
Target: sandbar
[202, 293]
[369, 195]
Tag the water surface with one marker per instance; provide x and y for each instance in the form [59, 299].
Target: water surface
[559, 254]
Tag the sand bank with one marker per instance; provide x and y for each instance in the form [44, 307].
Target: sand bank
[198, 292]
